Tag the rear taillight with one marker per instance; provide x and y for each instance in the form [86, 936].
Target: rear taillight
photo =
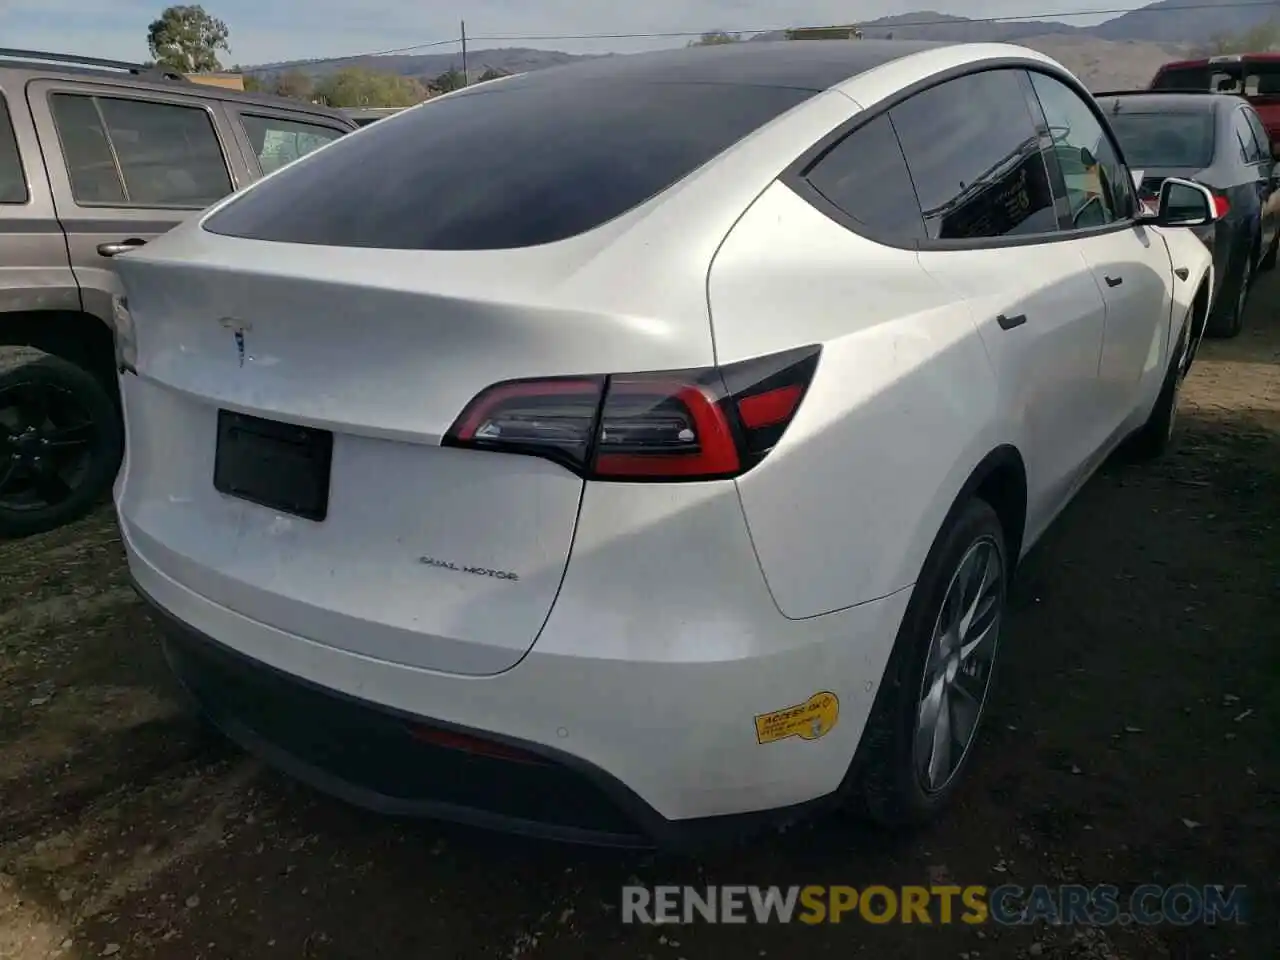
[705, 424]
[1221, 206]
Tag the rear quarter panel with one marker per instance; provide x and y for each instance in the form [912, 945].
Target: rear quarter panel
[846, 506]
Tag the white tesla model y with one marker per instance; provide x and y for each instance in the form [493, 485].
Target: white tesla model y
[643, 447]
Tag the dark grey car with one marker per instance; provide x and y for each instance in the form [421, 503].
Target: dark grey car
[96, 158]
[1218, 140]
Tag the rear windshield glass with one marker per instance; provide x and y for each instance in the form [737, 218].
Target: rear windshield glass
[1165, 139]
[1184, 78]
[530, 161]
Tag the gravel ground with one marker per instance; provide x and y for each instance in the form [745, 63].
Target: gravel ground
[1132, 739]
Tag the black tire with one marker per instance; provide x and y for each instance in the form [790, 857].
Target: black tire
[1155, 436]
[891, 790]
[1227, 319]
[54, 471]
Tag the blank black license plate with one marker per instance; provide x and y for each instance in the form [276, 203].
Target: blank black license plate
[277, 465]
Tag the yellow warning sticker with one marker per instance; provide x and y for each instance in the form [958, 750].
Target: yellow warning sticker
[809, 720]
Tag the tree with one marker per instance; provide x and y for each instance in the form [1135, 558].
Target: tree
[251, 83]
[187, 39]
[294, 84]
[714, 38]
[357, 87]
[452, 79]
[1258, 39]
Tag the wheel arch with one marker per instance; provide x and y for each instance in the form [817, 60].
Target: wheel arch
[1000, 479]
[77, 337]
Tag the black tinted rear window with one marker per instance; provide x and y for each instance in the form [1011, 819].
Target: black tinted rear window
[1165, 139]
[531, 161]
[1184, 78]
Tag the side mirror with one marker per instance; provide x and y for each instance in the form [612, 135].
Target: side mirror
[1184, 203]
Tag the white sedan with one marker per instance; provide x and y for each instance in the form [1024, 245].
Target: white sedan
[644, 446]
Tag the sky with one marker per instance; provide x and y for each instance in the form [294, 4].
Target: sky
[263, 31]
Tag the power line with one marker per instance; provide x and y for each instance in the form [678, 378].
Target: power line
[685, 34]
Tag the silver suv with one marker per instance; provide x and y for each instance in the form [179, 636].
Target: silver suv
[97, 157]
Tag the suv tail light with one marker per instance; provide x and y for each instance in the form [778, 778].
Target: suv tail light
[704, 424]
[1221, 206]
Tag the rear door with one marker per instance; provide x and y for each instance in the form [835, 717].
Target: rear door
[33, 255]
[126, 165]
[1130, 263]
[271, 138]
[994, 238]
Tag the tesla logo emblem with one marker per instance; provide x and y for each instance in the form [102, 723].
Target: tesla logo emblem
[238, 329]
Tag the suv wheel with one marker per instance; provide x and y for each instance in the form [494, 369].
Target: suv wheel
[61, 442]
[929, 709]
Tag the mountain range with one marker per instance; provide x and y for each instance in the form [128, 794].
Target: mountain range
[1120, 52]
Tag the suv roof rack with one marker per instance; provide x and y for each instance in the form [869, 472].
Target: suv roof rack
[138, 69]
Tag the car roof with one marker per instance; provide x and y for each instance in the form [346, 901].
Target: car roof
[1170, 102]
[804, 64]
[138, 77]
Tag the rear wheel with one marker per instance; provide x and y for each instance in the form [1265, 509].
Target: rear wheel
[929, 709]
[1228, 319]
[1268, 261]
[61, 442]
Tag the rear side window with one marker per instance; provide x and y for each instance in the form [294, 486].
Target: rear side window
[865, 176]
[974, 155]
[13, 182]
[277, 142]
[1099, 188]
[530, 161]
[1250, 151]
[139, 152]
[1259, 132]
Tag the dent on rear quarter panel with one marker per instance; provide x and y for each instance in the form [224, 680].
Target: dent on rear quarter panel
[844, 509]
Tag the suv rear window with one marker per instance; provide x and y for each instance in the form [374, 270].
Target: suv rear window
[1165, 139]
[277, 142]
[530, 161]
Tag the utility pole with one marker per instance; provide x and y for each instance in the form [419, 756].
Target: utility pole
[466, 81]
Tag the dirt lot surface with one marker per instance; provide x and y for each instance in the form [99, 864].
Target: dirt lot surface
[1132, 739]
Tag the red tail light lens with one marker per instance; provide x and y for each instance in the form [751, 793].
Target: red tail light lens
[702, 424]
[1221, 206]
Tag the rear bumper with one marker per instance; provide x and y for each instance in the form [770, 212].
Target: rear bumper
[374, 757]
[606, 752]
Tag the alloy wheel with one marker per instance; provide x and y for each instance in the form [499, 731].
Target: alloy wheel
[46, 438]
[958, 667]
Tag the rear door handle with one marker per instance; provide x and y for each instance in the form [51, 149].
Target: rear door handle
[1008, 323]
[121, 246]
[1114, 281]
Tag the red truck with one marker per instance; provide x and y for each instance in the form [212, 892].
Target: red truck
[1254, 76]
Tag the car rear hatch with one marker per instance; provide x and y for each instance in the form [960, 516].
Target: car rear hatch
[285, 430]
